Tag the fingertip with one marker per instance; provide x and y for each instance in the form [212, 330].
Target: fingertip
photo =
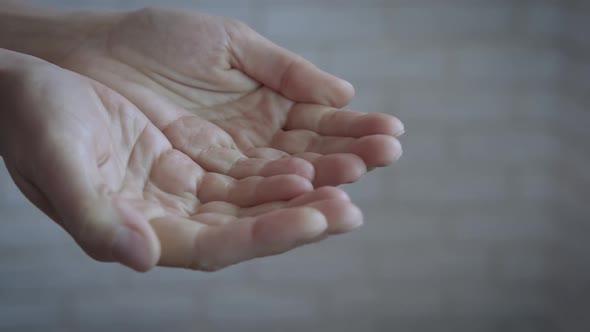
[337, 169]
[380, 124]
[133, 250]
[297, 183]
[135, 244]
[355, 219]
[342, 216]
[311, 223]
[283, 230]
[342, 93]
[378, 150]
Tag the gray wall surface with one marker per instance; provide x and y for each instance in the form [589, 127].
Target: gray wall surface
[483, 225]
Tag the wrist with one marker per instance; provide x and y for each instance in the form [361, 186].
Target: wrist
[49, 35]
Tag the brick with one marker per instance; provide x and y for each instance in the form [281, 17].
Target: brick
[29, 316]
[429, 184]
[240, 10]
[60, 273]
[578, 27]
[502, 223]
[408, 300]
[486, 105]
[526, 266]
[26, 226]
[546, 19]
[451, 21]
[474, 299]
[574, 121]
[10, 195]
[539, 106]
[323, 5]
[329, 260]
[397, 225]
[353, 63]
[509, 64]
[185, 279]
[421, 147]
[373, 96]
[505, 148]
[425, 103]
[536, 186]
[344, 324]
[445, 111]
[261, 304]
[358, 301]
[368, 188]
[533, 323]
[133, 308]
[321, 26]
[431, 262]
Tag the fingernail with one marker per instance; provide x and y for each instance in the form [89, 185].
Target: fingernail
[314, 224]
[347, 84]
[400, 129]
[132, 250]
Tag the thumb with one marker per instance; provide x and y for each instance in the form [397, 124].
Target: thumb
[106, 227]
[113, 231]
[283, 70]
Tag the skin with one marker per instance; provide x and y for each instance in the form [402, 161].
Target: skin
[233, 101]
[185, 140]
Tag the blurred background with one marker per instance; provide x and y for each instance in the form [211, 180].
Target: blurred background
[483, 225]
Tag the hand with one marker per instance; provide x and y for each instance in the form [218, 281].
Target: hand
[234, 102]
[96, 165]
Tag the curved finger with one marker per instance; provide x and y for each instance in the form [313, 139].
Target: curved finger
[193, 245]
[328, 121]
[251, 191]
[268, 153]
[218, 207]
[320, 194]
[213, 219]
[375, 150]
[335, 169]
[342, 216]
[237, 165]
[284, 71]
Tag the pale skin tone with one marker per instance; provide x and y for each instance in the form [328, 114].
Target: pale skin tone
[190, 139]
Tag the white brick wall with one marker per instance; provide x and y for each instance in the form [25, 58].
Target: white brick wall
[482, 226]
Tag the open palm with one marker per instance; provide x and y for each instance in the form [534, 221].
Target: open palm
[95, 164]
[234, 102]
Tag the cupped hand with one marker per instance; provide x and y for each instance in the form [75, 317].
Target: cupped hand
[233, 101]
[95, 164]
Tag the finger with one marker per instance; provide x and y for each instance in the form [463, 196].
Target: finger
[235, 164]
[218, 207]
[342, 216]
[329, 170]
[328, 121]
[320, 194]
[192, 245]
[251, 191]
[268, 153]
[213, 219]
[375, 150]
[284, 71]
[335, 169]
